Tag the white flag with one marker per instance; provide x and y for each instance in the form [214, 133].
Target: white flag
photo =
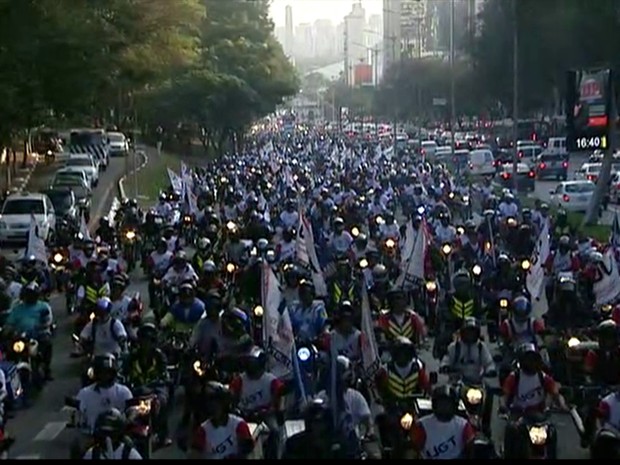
[608, 288]
[84, 228]
[36, 245]
[371, 362]
[414, 264]
[278, 334]
[536, 276]
[306, 254]
[175, 180]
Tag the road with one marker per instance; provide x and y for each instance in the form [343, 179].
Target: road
[40, 430]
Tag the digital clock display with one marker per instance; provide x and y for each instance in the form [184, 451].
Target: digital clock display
[591, 143]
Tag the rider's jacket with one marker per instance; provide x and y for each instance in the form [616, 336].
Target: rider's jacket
[308, 322]
[609, 411]
[123, 452]
[256, 394]
[160, 261]
[92, 291]
[198, 261]
[471, 361]
[403, 382]
[175, 277]
[151, 369]
[341, 243]
[520, 332]
[105, 336]
[184, 317]
[29, 319]
[220, 442]
[349, 345]
[445, 233]
[408, 324]
[94, 400]
[557, 262]
[163, 209]
[389, 231]
[341, 291]
[462, 309]
[508, 209]
[120, 308]
[528, 392]
[437, 440]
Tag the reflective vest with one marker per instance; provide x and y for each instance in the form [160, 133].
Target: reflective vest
[93, 294]
[462, 309]
[405, 329]
[340, 294]
[146, 376]
[403, 387]
[198, 261]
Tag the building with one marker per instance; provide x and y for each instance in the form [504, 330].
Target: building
[280, 34]
[324, 38]
[304, 41]
[405, 24]
[340, 38]
[356, 51]
[289, 38]
[374, 30]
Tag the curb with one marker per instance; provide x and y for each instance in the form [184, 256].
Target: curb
[116, 202]
[26, 179]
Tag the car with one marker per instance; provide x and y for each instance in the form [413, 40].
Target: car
[552, 165]
[81, 190]
[70, 173]
[64, 202]
[119, 145]
[84, 162]
[502, 157]
[588, 172]
[556, 145]
[529, 152]
[443, 153]
[481, 162]
[572, 196]
[526, 177]
[16, 213]
[614, 188]
[429, 147]
[460, 160]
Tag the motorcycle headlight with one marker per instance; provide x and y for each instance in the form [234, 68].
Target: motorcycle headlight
[511, 222]
[451, 195]
[144, 407]
[460, 230]
[90, 373]
[503, 303]
[431, 286]
[363, 263]
[130, 235]
[446, 249]
[526, 265]
[466, 198]
[49, 152]
[406, 421]
[231, 226]
[231, 267]
[187, 219]
[379, 220]
[58, 258]
[564, 279]
[303, 354]
[606, 308]
[19, 346]
[573, 342]
[197, 366]
[390, 243]
[473, 396]
[421, 210]
[156, 282]
[258, 311]
[538, 435]
[477, 270]
[355, 231]
[92, 316]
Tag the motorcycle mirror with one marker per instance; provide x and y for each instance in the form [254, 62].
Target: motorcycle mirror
[433, 377]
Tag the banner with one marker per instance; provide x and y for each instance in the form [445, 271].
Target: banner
[84, 228]
[36, 245]
[278, 335]
[306, 254]
[536, 276]
[371, 362]
[413, 267]
[175, 180]
[608, 288]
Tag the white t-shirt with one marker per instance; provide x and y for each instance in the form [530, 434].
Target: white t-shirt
[116, 454]
[107, 335]
[94, 401]
[356, 408]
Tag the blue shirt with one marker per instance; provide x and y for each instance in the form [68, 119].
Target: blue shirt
[29, 318]
[189, 315]
[308, 323]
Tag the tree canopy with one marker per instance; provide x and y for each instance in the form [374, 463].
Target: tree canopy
[208, 62]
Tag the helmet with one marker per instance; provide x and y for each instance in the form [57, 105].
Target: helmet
[147, 331]
[344, 369]
[306, 284]
[262, 244]
[528, 356]
[404, 346]
[345, 310]
[119, 281]
[564, 240]
[180, 257]
[521, 307]
[503, 259]
[104, 304]
[256, 360]
[203, 243]
[234, 321]
[607, 329]
[379, 273]
[445, 402]
[104, 362]
[396, 293]
[111, 422]
[217, 392]
[338, 222]
[209, 267]
[470, 326]
[317, 411]
[186, 289]
[595, 256]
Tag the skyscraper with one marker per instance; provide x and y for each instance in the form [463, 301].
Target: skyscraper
[324, 38]
[289, 40]
[356, 51]
[304, 41]
[374, 30]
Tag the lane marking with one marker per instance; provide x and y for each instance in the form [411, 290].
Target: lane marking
[28, 457]
[50, 431]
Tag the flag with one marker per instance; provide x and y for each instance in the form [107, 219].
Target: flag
[306, 254]
[371, 362]
[84, 228]
[413, 267]
[175, 180]
[536, 275]
[614, 238]
[278, 335]
[607, 289]
[36, 245]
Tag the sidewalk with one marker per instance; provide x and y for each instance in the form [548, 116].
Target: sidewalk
[13, 175]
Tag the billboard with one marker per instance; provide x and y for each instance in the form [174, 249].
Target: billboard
[362, 75]
[589, 97]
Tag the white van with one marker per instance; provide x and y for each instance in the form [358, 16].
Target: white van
[556, 145]
[481, 162]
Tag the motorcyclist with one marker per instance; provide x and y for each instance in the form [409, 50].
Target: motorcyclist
[561, 226]
[290, 286]
[210, 281]
[443, 435]
[462, 303]
[342, 286]
[521, 327]
[234, 248]
[185, 312]
[180, 271]
[163, 208]
[259, 395]
[158, 263]
[105, 231]
[235, 339]
[525, 392]
[308, 315]
[560, 261]
[400, 320]
[344, 339]
[207, 332]
[359, 248]
[146, 367]
[31, 272]
[340, 240]
[93, 288]
[34, 317]
[104, 393]
[202, 254]
[286, 248]
[223, 435]
[508, 207]
[444, 231]
[389, 229]
[104, 334]
[289, 218]
[505, 278]
[319, 431]
[603, 364]
[110, 438]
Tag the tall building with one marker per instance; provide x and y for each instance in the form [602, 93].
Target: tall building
[289, 38]
[324, 38]
[304, 41]
[374, 30]
[405, 27]
[340, 38]
[356, 50]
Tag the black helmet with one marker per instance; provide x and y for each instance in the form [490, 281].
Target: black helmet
[257, 358]
[307, 285]
[217, 392]
[396, 293]
[526, 350]
[346, 309]
[112, 422]
[607, 329]
[445, 402]
[521, 307]
[564, 241]
[470, 324]
[317, 411]
[379, 273]
[147, 331]
[503, 259]
[403, 344]
[105, 362]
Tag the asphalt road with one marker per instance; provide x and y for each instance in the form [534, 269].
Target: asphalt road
[40, 430]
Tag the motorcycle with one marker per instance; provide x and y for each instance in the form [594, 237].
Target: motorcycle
[309, 370]
[536, 440]
[431, 303]
[58, 263]
[141, 411]
[129, 244]
[188, 229]
[23, 352]
[14, 389]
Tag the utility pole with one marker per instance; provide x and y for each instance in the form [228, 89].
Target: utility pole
[515, 95]
[452, 85]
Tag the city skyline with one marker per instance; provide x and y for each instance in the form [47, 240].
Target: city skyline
[308, 11]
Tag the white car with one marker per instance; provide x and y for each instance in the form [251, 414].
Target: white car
[70, 173]
[84, 162]
[588, 172]
[429, 147]
[573, 196]
[119, 145]
[16, 213]
[481, 163]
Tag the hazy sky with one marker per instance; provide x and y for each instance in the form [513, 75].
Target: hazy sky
[307, 11]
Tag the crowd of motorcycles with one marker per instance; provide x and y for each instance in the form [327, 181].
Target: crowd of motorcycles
[198, 345]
